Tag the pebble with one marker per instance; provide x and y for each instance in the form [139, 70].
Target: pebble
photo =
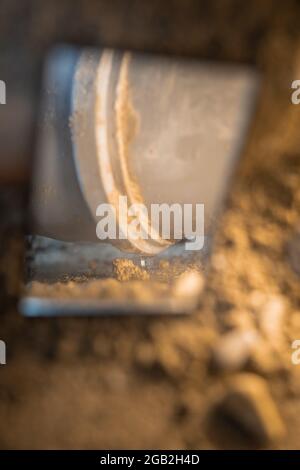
[248, 401]
[271, 320]
[188, 288]
[234, 349]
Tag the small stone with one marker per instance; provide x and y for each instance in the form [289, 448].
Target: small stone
[271, 320]
[234, 349]
[248, 401]
[188, 288]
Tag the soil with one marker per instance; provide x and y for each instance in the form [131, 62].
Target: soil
[174, 382]
[126, 270]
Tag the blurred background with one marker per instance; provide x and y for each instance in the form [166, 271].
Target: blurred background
[222, 377]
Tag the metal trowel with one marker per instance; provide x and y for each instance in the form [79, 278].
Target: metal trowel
[150, 130]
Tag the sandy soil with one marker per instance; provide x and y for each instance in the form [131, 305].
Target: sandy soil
[174, 383]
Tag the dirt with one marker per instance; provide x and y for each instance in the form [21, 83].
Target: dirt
[169, 383]
[98, 289]
[130, 284]
[126, 270]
